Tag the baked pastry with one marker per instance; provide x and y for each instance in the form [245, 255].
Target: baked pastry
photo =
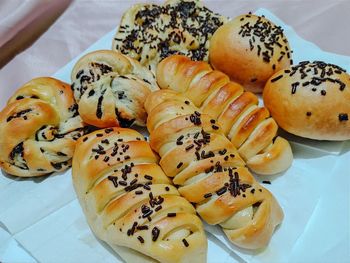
[149, 32]
[312, 100]
[249, 127]
[110, 89]
[210, 173]
[250, 49]
[130, 203]
[39, 127]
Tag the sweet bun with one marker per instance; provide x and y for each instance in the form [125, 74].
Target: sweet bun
[110, 89]
[249, 49]
[249, 127]
[150, 32]
[39, 127]
[131, 204]
[209, 171]
[312, 100]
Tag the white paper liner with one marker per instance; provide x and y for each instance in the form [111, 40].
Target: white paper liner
[64, 236]
[11, 251]
[47, 220]
[24, 201]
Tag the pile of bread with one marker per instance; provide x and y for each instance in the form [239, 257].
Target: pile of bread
[194, 90]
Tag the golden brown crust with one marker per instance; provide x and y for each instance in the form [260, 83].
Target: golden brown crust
[206, 85]
[311, 100]
[218, 101]
[110, 89]
[249, 49]
[235, 109]
[210, 172]
[130, 202]
[38, 128]
[247, 125]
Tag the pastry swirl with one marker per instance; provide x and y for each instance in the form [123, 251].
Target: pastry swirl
[110, 89]
[39, 127]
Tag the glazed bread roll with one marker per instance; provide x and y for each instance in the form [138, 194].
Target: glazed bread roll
[250, 49]
[249, 127]
[150, 32]
[130, 203]
[210, 172]
[110, 89]
[39, 127]
[312, 100]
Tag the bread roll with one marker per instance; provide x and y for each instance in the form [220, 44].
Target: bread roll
[210, 172]
[39, 127]
[249, 49]
[150, 32]
[249, 127]
[311, 100]
[131, 204]
[110, 89]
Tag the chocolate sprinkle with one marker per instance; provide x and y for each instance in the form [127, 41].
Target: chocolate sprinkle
[343, 117]
[185, 242]
[207, 195]
[141, 239]
[155, 233]
[276, 78]
[221, 191]
[184, 16]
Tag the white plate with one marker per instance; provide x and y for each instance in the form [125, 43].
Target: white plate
[44, 216]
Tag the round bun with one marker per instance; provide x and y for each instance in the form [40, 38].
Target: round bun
[312, 100]
[249, 49]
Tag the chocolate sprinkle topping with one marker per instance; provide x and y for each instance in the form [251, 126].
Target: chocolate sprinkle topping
[343, 117]
[141, 239]
[185, 18]
[277, 78]
[155, 233]
[185, 242]
[207, 195]
[221, 191]
[268, 34]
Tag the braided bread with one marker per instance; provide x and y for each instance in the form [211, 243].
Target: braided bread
[39, 127]
[249, 127]
[110, 89]
[209, 171]
[130, 203]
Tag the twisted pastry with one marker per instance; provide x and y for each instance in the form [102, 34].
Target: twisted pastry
[129, 202]
[110, 89]
[39, 127]
[209, 171]
[250, 128]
